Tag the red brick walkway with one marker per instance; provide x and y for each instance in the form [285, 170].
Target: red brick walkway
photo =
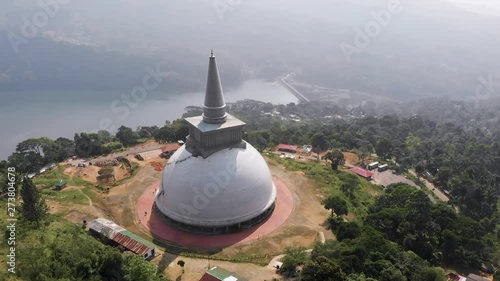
[160, 230]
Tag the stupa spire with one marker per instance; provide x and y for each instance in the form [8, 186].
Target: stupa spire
[214, 108]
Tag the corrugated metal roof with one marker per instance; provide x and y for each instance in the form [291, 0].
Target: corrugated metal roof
[138, 239]
[219, 274]
[362, 172]
[132, 244]
[208, 277]
[287, 147]
[105, 227]
[61, 183]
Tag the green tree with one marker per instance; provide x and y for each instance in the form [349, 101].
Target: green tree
[318, 142]
[349, 185]
[165, 134]
[37, 145]
[322, 269]
[111, 147]
[181, 263]
[294, 256]
[33, 207]
[418, 209]
[392, 274]
[496, 276]
[336, 158]
[66, 148]
[126, 136]
[181, 129]
[433, 274]
[147, 132]
[105, 136]
[348, 230]
[336, 204]
[137, 268]
[112, 266]
[359, 277]
[28, 162]
[383, 148]
[87, 145]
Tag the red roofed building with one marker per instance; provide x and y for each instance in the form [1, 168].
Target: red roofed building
[287, 148]
[362, 172]
[118, 235]
[168, 150]
[135, 244]
[219, 274]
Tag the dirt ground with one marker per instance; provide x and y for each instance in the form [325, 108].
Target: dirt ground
[351, 159]
[195, 268]
[90, 173]
[157, 166]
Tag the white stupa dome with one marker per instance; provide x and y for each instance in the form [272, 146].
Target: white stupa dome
[216, 182]
[230, 187]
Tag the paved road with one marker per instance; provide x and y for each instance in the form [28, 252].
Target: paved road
[387, 177]
[431, 187]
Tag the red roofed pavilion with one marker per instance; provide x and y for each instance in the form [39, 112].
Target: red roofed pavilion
[362, 172]
[287, 148]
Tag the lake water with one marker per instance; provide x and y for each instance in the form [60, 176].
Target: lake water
[62, 114]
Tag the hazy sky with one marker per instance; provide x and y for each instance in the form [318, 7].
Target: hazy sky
[486, 7]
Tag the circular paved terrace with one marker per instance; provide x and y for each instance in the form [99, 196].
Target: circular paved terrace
[153, 221]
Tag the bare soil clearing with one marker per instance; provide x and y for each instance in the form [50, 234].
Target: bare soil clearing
[351, 159]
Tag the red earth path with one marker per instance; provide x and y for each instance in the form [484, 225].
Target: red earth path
[153, 222]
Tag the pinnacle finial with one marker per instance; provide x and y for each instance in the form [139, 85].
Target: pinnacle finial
[214, 108]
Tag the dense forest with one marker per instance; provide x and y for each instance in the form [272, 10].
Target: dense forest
[404, 236]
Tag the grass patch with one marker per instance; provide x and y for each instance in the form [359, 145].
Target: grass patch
[89, 193]
[328, 183]
[49, 178]
[65, 196]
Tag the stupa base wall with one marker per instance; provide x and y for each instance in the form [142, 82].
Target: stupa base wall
[215, 230]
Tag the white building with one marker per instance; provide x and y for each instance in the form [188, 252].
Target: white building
[216, 182]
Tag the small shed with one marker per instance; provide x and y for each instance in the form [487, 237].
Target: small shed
[118, 235]
[219, 274]
[104, 227]
[135, 244]
[362, 172]
[61, 184]
[287, 148]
